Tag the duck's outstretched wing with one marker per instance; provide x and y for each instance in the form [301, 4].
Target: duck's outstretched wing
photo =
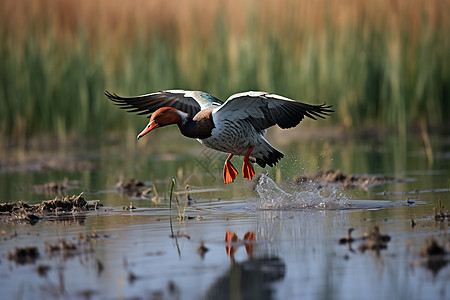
[190, 102]
[263, 110]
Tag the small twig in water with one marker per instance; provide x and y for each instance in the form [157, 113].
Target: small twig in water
[156, 198]
[187, 200]
[170, 217]
[170, 206]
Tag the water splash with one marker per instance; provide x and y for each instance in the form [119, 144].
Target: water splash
[272, 196]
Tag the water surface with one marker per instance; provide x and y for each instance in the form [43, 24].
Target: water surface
[295, 253]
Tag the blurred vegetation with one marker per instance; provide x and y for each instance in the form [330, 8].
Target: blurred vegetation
[380, 63]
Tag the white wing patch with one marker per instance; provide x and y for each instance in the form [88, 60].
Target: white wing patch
[150, 94]
[200, 97]
[196, 96]
[177, 91]
[278, 97]
[188, 94]
[258, 94]
[247, 94]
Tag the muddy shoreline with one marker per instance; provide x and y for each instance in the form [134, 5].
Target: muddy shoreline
[21, 212]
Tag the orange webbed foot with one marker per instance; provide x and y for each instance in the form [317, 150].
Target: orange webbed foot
[229, 171]
[247, 168]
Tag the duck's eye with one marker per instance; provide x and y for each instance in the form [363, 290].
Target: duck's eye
[160, 115]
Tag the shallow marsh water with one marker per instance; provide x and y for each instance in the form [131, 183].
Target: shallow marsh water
[296, 252]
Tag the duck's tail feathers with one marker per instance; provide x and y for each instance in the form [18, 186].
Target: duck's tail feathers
[269, 157]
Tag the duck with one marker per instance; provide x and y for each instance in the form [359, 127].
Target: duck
[236, 126]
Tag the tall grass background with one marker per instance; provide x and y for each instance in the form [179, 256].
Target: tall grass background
[379, 63]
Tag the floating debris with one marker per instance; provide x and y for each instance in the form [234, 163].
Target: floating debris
[131, 184]
[66, 204]
[439, 214]
[410, 201]
[62, 246]
[100, 267]
[84, 238]
[186, 217]
[42, 270]
[132, 277]
[201, 249]
[180, 235]
[23, 212]
[24, 255]
[133, 187]
[128, 207]
[344, 180]
[374, 240]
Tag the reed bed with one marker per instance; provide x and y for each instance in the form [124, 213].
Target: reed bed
[381, 63]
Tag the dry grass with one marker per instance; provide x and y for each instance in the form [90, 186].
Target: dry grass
[376, 61]
[114, 20]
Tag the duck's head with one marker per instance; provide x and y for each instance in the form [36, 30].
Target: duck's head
[163, 117]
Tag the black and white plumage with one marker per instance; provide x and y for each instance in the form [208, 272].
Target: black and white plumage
[236, 126]
[190, 102]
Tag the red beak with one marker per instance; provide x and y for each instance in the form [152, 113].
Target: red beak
[152, 125]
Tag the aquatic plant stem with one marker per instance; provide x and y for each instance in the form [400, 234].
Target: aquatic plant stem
[170, 206]
[187, 200]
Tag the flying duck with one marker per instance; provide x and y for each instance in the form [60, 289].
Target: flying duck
[236, 126]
